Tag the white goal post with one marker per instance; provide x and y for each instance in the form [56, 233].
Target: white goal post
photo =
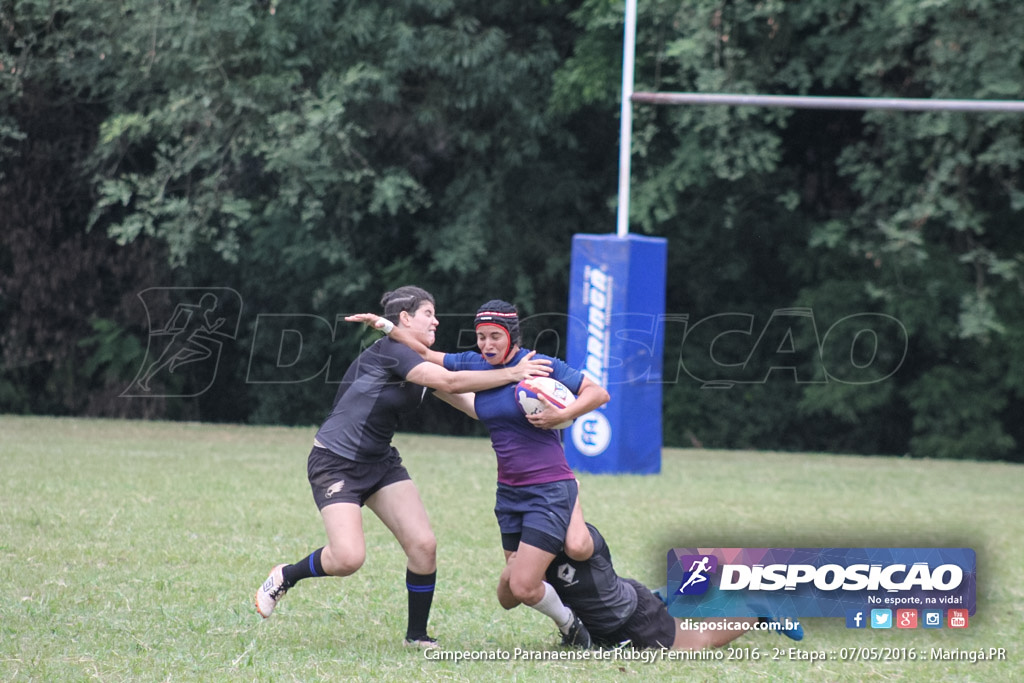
[790, 101]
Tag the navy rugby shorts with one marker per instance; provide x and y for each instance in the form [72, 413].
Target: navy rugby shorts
[536, 514]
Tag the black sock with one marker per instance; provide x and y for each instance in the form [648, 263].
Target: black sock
[421, 595]
[303, 569]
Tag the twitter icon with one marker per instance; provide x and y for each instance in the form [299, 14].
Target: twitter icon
[881, 618]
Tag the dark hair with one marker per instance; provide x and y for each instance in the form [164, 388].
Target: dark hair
[408, 298]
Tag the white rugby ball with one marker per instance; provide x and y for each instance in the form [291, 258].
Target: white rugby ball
[528, 390]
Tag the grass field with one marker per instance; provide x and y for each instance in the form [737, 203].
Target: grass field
[131, 551]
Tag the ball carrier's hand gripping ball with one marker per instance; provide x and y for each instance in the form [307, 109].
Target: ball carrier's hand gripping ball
[529, 391]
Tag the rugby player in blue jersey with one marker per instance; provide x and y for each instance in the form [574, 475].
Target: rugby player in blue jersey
[537, 491]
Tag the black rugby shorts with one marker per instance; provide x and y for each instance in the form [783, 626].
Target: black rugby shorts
[334, 479]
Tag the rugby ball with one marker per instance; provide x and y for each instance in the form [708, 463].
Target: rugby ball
[528, 391]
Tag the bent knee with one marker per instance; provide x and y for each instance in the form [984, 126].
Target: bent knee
[524, 591]
[344, 563]
[505, 597]
[423, 549]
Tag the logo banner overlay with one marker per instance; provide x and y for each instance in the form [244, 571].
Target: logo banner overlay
[188, 329]
[821, 582]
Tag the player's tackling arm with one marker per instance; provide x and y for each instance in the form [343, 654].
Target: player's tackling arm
[433, 374]
[462, 381]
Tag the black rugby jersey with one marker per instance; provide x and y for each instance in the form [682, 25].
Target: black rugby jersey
[592, 589]
[372, 396]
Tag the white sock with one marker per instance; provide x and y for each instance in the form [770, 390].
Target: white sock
[551, 605]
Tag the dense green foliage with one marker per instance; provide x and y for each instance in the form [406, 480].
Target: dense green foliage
[312, 154]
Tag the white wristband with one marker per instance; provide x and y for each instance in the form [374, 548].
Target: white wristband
[384, 325]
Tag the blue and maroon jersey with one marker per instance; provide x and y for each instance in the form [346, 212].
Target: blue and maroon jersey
[526, 455]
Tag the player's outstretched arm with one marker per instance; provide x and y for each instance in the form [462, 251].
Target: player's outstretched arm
[433, 374]
[399, 334]
[462, 381]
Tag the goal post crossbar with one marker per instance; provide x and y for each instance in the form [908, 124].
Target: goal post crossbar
[823, 102]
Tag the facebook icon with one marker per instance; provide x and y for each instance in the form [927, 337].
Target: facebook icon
[855, 618]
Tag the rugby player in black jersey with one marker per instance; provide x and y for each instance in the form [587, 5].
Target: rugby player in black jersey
[619, 611]
[353, 463]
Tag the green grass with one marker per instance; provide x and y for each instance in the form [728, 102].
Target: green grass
[131, 551]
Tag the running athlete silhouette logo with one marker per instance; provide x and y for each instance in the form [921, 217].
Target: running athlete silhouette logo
[695, 580]
[191, 336]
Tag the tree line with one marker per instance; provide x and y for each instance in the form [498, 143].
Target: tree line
[303, 157]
